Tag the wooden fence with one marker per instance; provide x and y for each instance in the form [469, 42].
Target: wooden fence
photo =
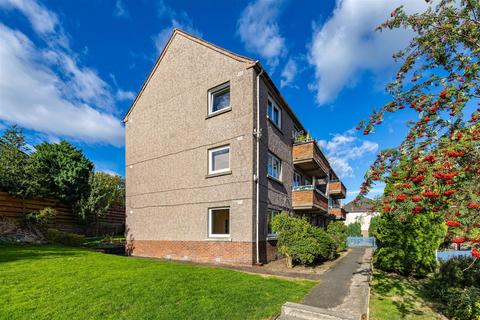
[16, 209]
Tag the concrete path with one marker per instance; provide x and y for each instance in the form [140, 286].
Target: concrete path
[343, 291]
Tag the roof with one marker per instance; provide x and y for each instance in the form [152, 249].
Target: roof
[362, 205]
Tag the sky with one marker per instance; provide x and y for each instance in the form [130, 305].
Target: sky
[70, 69]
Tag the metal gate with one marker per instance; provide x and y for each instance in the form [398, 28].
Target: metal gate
[361, 242]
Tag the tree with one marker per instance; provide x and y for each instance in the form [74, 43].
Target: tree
[59, 171]
[337, 230]
[105, 191]
[354, 229]
[13, 159]
[436, 168]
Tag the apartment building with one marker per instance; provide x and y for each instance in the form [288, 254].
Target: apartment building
[213, 152]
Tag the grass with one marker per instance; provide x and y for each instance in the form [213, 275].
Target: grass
[54, 282]
[395, 297]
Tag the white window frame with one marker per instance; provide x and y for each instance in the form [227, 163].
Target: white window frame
[210, 221]
[217, 90]
[210, 160]
[272, 157]
[270, 214]
[275, 106]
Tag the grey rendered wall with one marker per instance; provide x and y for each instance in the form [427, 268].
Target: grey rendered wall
[167, 138]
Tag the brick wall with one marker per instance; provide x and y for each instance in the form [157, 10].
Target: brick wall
[222, 252]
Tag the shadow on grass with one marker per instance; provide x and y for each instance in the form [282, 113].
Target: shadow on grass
[403, 292]
[9, 253]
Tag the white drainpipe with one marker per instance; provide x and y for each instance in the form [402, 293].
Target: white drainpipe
[258, 135]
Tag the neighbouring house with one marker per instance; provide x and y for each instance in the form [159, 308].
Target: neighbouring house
[361, 211]
[213, 152]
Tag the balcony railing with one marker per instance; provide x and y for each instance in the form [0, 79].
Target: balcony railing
[309, 159]
[308, 197]
[336, 189]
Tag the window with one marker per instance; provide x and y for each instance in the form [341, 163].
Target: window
[274, 113]
[297, 179]
[219, 160]
[219, 222]
[274, 167]
[270, 214]
[219, 98]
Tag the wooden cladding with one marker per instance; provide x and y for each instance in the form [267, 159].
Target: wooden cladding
[338, 213]
[336, 189]
[308, 158]
[309, 200]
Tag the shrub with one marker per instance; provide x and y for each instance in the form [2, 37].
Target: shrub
[462, 304]
[338, 232]
[456, 285]
[65, 238]
[372, 229]
[354, 229]
[301, 242]
[41, 217]
[408, 246]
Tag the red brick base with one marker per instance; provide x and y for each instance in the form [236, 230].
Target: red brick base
[224, 252]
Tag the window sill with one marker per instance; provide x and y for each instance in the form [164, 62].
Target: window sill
[275, 179]
[211, 115]
[218, 174]
[224, 239]
[275, 126]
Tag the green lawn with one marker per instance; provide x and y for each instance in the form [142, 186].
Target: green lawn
[54, 282]
[394, 297]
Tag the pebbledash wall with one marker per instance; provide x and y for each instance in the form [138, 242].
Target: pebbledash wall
[168, 135]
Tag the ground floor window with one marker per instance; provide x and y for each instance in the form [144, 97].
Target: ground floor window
[270, 214]
[219, 222]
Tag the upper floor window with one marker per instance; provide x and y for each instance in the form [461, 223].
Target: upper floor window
[274, 167]
[219, 98]
[219, 160]
[274, 113]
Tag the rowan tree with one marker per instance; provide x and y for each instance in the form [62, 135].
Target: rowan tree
[437, 166]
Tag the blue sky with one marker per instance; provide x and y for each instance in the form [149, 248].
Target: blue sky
[70, 69]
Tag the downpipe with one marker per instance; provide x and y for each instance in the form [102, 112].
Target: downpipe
[258, 135]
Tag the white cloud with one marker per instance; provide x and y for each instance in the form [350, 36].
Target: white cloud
[375, 191]
[259, 31]
[44, 88]
[179, 20]
[120, 11]
[347, 45]
[289, 73]
[125, 95]
[43, 21]
[344, 148]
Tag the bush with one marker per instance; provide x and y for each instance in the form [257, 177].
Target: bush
[456, 285]
[372, 229]
[338, 232]
[301, 242]
[41, 217]
[65, 238]
[354, 229]
[408, 246]
[462, 304]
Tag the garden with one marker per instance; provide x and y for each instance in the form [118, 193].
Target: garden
[58, 282]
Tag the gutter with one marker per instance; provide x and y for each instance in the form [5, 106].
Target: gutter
[258, 136]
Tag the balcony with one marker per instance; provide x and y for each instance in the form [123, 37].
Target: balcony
[336, 189]
[309, 198]
[308, 158]
[338, 213]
